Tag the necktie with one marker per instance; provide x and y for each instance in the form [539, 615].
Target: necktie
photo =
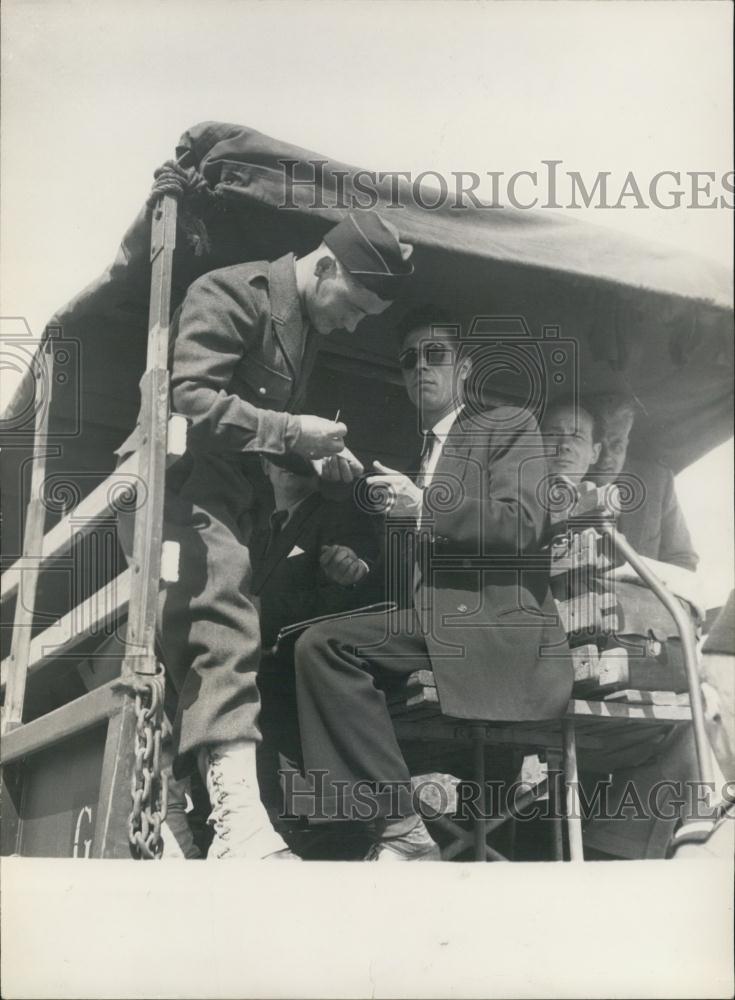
[427, 450]
[278, 519]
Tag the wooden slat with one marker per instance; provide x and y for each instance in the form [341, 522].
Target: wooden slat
[35, 523]
[588, 611]
[92, 508]
[584, 663]
[80, 520]
[77, 625]
[83, 713]
[610, 710]
[636, 697]
[111, 834]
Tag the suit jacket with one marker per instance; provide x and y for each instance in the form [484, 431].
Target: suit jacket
[287, 577]
[656, 528]
[240, 358]
[483, 601]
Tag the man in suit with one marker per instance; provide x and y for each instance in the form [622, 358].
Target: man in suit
[244, 343]
[317, 556]
[481, 625]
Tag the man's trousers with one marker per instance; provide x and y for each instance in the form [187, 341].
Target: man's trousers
[209, 628]
[344, 672]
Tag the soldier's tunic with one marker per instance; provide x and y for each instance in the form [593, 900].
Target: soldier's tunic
[242, 353]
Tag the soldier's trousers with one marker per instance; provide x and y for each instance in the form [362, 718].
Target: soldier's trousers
[209, 628]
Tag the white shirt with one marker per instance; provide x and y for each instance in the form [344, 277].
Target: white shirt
[440, 430]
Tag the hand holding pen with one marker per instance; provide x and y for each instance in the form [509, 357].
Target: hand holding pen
[343, 467]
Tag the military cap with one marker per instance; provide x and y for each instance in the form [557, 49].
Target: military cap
[369, 248]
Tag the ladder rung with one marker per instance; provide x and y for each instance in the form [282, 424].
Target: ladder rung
[78, 715]
[78, 521]
[77, 625]
[92, 508]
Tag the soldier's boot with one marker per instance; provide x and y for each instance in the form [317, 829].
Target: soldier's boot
[239, 819]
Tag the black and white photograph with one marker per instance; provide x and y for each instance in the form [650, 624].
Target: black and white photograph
[367, 456]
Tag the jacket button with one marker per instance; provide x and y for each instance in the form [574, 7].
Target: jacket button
[462, 608]
[261, 390]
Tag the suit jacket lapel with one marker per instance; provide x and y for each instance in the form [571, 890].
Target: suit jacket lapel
[456, 449]
[288, 324]
[287, 537]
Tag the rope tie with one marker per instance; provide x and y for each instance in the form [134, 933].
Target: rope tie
[187, 184]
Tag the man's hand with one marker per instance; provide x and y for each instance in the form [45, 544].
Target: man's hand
[402, 496]
[342, 565]
[318, 438]
[341, 468]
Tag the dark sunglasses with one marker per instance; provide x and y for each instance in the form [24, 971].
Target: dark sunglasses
[433, 354]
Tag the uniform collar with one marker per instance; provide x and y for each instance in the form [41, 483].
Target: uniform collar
[289, 324]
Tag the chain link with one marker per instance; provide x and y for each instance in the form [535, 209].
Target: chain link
[149, 786]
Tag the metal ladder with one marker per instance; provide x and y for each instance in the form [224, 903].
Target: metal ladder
[131, 705]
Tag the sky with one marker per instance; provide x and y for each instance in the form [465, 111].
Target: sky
[96, 94]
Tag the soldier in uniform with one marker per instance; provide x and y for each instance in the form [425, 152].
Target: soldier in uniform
[244, 342]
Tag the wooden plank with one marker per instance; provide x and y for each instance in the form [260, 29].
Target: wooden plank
[82, 713]
[635, 697]
[35, 523]
[12, 799]
[77, 625]
[584, 662]
[610, 710]
[81, 520]
[114, 803]
[94, 507]
[589, 611]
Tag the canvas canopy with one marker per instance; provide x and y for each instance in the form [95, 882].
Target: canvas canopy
[631, 316]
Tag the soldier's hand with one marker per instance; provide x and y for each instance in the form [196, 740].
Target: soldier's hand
[318, 438]
[341, 468]
[402, 496]
[342, 565]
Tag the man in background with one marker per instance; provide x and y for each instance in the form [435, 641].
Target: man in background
[655, 527]
[576, 440]
[316, 556]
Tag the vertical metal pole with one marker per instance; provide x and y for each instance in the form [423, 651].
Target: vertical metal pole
[25, 602]
[571, 788]
[553, 760]
[480, 832]
[686, 634]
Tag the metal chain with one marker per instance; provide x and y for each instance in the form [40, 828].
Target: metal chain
[149, 787]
